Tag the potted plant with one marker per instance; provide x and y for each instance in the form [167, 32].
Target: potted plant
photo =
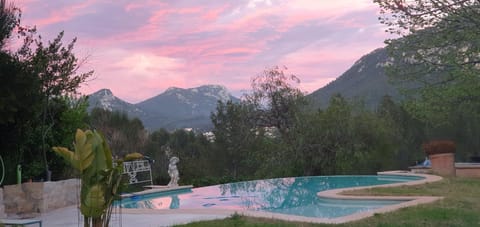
[442, 156]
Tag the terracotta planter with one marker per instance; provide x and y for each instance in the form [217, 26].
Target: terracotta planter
[443, 164]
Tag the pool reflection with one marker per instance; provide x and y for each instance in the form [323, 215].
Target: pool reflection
[296, 196]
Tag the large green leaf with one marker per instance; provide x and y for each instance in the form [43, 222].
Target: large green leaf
[106, 151]
[100, 179]
[65, 153]
[83, 155]
[80, 137]
[99, 162]
[93, 205]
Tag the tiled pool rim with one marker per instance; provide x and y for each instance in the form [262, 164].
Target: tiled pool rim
[333, 194]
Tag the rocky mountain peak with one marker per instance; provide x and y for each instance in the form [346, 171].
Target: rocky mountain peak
[104, 92]
[173, 90]
[217, 92]
[105, 99]
[174, 108]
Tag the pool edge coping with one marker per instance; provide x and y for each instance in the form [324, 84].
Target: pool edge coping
[410, 200]
[331, 194]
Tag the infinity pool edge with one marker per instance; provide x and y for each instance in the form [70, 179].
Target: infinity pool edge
[331, 194]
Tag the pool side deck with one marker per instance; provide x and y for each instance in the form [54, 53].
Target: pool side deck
[334, 194]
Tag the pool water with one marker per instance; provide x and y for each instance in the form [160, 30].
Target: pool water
[295, 196]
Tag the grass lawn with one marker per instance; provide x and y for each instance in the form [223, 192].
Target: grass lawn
[461, 207]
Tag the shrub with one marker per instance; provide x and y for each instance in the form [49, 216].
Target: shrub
[439, 147]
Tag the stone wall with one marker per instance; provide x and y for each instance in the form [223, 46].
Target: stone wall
[33, 198]
[471, 170]
[468, 170]
[60, 194]
[2, 207]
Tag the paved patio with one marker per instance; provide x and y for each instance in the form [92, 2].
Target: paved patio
[70, 217]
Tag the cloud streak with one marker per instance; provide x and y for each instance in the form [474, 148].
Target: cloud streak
[140, 48]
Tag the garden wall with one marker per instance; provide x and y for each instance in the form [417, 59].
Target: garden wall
[468, 169]
[471, 170]
[33, 198]
[2, 207]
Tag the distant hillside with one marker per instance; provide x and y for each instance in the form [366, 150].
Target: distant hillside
[105, 99]
[365, 80]
[173, 109]
[184, 107]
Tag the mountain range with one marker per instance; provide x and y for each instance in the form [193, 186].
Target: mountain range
[364, 81]
[191, 108]
[175, 108]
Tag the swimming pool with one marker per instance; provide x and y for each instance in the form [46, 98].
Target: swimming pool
[292, 196]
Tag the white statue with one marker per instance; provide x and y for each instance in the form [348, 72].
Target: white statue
[173, 172]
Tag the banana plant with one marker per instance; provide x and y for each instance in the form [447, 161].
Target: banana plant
[100, 178]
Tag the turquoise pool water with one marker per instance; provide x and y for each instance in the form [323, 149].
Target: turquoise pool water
[295, 196]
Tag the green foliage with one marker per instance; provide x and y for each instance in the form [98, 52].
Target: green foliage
[344, 139]
[275, 100]
[38, 107]
[21, 123]
[18, 103]
[194, 151]
[100, 178]
[56, 67]
[124, 135]
[153, 149]
[234, 138]
[9, 19]
[405, 132]
[439, 52]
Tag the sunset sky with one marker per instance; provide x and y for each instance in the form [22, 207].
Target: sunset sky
[140, 48]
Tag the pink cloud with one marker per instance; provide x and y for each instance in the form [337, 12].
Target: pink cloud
[187, 44]
[233, 51]
[142, 5]
[213, 14]
[64, 14]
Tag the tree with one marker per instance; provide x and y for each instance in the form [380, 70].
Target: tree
[234, 135]
[124, 135]
[405, 132]
[9, 19]
[335, 137]
[35, 81]
[18, 103]
[438, 54]
[19, 99]
[275, 100]
[409, 16]
[57, 68]
[154, 148]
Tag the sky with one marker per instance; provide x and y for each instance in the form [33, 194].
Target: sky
[140, 48]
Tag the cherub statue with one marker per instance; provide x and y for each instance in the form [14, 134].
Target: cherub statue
[173, 172]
